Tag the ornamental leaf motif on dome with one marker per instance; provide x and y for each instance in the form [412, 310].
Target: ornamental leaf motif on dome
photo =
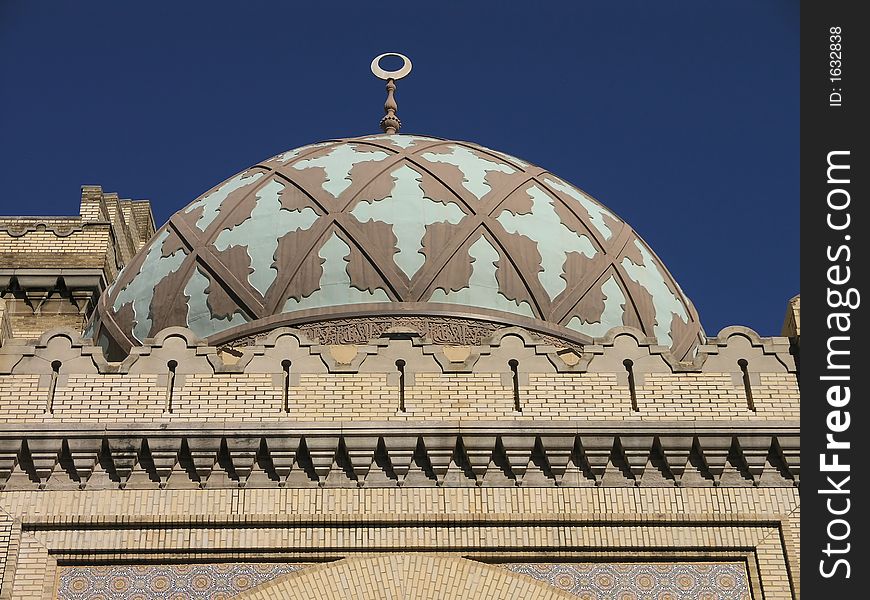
[611, 309]
[286, 157]
[211, 203]
[337, 164]
[596, 211]
[202, 316]
[552, 236]
[647, 275]
[260, 233]
[139, 292]
[402, 210]
[335, 285]
[474, 168]
[401, 140]
[483, 279]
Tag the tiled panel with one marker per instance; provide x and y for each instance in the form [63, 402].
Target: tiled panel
[642, 581]
[174, 582]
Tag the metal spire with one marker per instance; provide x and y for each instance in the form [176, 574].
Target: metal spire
[390, 124]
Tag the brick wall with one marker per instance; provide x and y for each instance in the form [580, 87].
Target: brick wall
[495, 525]
[349, 397]
[52, 269]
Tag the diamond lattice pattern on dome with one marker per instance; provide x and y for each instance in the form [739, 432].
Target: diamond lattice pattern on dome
[353, 227]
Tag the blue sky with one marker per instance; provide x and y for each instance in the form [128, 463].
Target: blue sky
[681, 117]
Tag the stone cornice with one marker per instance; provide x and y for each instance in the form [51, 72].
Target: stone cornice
[207, 454]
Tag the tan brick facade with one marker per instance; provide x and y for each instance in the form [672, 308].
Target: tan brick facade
[723, 523]
[53, 269]
[626, 482]
[343, 397]
[87, 389]
[419, 484]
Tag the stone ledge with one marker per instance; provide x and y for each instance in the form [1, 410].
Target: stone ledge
[365, 456]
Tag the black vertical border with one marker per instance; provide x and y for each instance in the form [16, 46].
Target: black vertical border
[826, 128]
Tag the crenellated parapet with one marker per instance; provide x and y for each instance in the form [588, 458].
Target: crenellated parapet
[400, 376]
[608, 354]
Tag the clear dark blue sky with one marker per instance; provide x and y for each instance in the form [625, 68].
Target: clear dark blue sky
[681, 116]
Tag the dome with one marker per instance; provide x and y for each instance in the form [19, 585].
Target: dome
[396, 225]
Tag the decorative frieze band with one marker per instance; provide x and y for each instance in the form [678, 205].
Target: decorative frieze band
[387, 456]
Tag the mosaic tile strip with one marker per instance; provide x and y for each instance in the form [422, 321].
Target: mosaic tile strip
[642, 581]
[218, 581]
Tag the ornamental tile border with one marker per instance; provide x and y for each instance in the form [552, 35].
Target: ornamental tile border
[155, 582]
[642, 581]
